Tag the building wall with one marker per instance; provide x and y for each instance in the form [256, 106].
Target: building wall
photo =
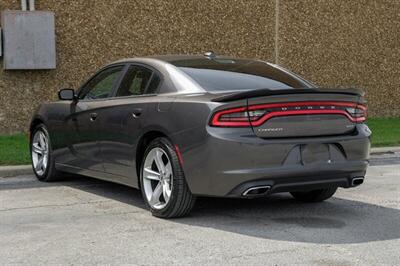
[345, 43]
[333, 43]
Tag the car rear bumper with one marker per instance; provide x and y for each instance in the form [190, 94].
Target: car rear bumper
[226, 162]
[303, 179]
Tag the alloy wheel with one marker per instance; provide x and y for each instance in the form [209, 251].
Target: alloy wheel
[40, 152]
[157, 178]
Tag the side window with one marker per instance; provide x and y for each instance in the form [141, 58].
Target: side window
[153, 86]
[135, 81]
[101, 86]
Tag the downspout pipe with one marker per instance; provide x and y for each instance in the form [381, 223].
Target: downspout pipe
[31, 5]
[24, 6]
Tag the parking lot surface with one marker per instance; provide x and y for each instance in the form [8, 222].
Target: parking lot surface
[86, 221]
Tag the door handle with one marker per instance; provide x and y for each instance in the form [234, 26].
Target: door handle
[93, 116]
[136, 112]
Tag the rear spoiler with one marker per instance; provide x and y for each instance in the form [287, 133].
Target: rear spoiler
[267, 92]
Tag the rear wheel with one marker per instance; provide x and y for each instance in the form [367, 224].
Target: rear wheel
[162, 181]
[314, 195]
[41, 154]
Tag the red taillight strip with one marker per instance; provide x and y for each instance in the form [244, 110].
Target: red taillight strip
[306, 112]
[274, 105]
[216, 118]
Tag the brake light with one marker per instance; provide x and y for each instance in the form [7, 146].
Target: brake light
[256, 115]
[235, 117]
[360, 111]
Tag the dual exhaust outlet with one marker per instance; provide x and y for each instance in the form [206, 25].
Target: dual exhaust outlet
[259, 191]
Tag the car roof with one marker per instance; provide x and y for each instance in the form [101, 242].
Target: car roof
[175, 57]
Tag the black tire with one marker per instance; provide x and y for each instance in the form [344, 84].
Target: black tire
[181, 201]
[314, 195]
[50, 174]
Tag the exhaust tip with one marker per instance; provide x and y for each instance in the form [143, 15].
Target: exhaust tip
[356, 181]
[256, 191]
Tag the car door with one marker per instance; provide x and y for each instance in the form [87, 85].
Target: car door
[85, 118]
[123, 120]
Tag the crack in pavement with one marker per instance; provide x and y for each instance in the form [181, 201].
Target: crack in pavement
[55, 205]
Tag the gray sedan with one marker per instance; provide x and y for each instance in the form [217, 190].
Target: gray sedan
[181, 126]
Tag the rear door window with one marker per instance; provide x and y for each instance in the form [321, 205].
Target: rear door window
[138, 80]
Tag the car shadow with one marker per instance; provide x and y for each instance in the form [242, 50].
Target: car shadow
[278, 217]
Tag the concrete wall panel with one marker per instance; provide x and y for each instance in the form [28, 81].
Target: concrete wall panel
[333, 43]
[345, 43]
[92, 33]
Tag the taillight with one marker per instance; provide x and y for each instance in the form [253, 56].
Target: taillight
[256, 115]
[235, 117]
[360, 111]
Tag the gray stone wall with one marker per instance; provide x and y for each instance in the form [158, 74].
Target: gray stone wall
[333, 43]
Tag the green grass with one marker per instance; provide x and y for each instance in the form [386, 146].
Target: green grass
[14, 149]
[385, 131]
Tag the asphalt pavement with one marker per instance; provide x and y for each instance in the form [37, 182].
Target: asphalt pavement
[87, 221]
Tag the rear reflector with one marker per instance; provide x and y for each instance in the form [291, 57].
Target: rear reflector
[178, 152]
[256, 115]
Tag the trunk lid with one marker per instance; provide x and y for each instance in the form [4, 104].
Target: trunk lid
[296, 112]
[304, 115]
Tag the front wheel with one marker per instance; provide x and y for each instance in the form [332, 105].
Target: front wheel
[162, 181]
[41, 154]
[314, 195]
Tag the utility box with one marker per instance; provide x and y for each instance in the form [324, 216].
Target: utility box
[28, 40]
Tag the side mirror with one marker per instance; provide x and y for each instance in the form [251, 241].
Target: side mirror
[66, 94]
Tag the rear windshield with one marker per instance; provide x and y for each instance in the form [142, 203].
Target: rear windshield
[227, 74]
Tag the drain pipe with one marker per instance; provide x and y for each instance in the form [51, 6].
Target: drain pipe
[24, 6]
[31, 5]
[26, 3]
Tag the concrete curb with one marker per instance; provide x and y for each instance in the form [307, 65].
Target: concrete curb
[395, 149]
[10, 171]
